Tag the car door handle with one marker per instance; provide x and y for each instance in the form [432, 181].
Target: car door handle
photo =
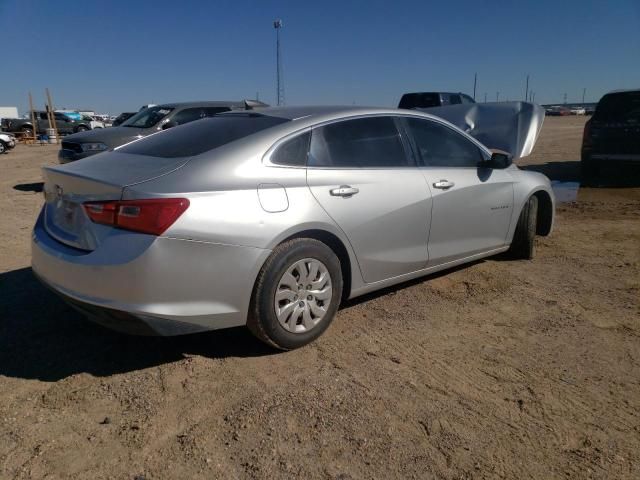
[443, 184]
[343, 191]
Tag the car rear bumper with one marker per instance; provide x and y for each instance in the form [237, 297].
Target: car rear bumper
[149, 285]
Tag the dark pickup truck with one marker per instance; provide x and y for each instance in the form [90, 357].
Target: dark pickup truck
[432, 99]
[65, 124]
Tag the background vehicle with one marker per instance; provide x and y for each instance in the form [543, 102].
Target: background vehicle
[122, 117]
[64, 123]
[7, 142]
[611, 138]
[557, 111]
[432, 99]
[270, 219]
[147, 121]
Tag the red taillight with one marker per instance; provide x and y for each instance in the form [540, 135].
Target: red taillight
[152, 216]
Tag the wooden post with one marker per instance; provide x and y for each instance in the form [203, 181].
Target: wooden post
[53, 117]
[33, 118]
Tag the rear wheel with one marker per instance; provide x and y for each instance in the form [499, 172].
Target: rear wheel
[297, 294]
[27, 131]
[3, 148]
[522, 246]
[81, 128]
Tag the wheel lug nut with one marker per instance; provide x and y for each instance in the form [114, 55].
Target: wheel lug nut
[309, 298]
[308, 287]
[295, 297]
[301, 304]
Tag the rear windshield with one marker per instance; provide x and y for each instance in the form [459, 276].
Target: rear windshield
[619, 107]
[201, 136]
[419, 100]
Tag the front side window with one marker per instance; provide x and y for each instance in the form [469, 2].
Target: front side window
[361, 143]
[148, 117]
[190, 114]
[441, 146]
[293, 152]
[455, 99]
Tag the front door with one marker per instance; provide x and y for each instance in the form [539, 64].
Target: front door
[472, 205]
[360, 173]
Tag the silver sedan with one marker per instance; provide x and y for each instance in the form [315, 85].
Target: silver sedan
[271, 219]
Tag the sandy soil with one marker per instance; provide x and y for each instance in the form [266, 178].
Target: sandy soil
[500, 369]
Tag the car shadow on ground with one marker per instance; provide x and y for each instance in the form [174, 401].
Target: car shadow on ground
[43, 338]
[29, 187]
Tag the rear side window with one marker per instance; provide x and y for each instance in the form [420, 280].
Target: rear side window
[293, 152]
[441, 146]
[199, 137]
[621, 107]
[360, 143]
[455, 99]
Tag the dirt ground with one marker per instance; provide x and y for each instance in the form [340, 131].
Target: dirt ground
[500, 369]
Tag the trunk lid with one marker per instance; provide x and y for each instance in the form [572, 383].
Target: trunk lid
[101, 177]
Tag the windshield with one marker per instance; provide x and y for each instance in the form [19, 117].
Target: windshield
[619, 107]
[148, 117]
[200, 136]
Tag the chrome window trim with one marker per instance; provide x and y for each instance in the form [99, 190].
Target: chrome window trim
[266, 158]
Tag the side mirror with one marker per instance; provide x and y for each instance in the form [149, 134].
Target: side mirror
[169, 124]
[498, 160]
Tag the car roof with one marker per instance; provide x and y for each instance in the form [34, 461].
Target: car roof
[207, 103]
[625, 90]
[318, 113]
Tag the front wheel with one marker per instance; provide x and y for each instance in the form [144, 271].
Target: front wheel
[81, 128]
[522, 245]
[296, 295]
[3, 148]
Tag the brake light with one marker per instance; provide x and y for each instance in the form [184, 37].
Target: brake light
[151, 216]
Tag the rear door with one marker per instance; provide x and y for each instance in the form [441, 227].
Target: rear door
[472, 205]
[361, 174]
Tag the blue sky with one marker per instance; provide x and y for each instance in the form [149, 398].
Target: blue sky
[115, 55]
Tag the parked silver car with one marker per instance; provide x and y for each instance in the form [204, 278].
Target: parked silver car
[270, 219]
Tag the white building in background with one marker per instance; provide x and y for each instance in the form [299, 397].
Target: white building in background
[8, 112]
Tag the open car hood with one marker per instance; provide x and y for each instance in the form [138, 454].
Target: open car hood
[510, 126]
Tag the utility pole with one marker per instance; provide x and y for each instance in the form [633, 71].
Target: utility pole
[584, 91]
[526, 90]
[475, 81]
[277, 24]
[497, 96]
[33, 118]
[52, 122]
[485, 98]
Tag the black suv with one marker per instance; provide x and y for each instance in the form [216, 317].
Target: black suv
[412, 101]
[611, 139]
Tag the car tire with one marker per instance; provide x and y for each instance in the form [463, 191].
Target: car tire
[522, 246]
[81, 128]
[27, 131]
[3, 148]
[281, 274]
